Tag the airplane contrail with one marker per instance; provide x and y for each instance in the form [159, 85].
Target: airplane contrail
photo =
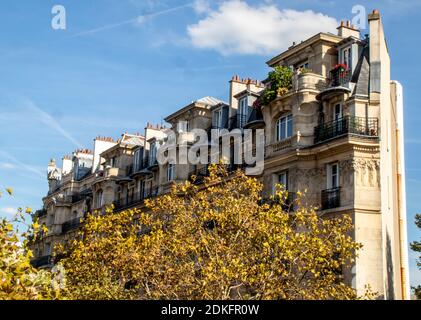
[21, 164]
[138, 19]
[52, 123]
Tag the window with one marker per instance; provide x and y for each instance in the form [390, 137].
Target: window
[142, 188]
[100, 199]
[243, 112]
[136, 164]
[337, 112]
[113, 162]
[183, 126]
[218, 118]
[346, 57]
[152, 154]
[284, 127]
[170, 172]
[333, 176]
[303, 65]
[283, 179]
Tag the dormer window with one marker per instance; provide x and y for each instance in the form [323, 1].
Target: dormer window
[152, 155]
[218, 118]
[243, 111]
[346, 57]
[183, 126]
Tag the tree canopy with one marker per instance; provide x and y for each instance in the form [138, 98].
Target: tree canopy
[218, 240]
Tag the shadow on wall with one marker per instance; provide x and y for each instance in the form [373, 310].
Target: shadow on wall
[390, 290]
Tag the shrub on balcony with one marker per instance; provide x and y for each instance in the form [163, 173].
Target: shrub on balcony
[280, 82]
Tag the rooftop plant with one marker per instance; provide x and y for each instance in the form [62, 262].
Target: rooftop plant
[279, 83]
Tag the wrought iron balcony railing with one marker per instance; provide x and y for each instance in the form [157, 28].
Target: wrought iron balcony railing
[331, 198]
[70, 225]
[367, 127]
[339, 77]
[137, 199]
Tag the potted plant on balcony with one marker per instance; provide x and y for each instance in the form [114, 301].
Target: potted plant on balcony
[279, 83]
[339, 74]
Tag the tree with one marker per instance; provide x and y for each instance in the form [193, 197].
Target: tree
[18, 279]
[214, 241]
[416, 246]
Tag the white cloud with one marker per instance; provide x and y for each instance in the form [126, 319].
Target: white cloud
[239, 28]
[8, 211]
[201, 6]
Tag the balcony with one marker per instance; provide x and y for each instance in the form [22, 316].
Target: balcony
[138, 199]
[153, 163]
[309, 81]
[42, 261]
[339, 77]
[278, 147]
[331, 198]
[364, 127]
[70, 225]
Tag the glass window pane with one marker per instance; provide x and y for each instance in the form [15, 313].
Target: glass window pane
[289, 126]
[283, 128]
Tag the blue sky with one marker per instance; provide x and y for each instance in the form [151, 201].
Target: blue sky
[120, 64]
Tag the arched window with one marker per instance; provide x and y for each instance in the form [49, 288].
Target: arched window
[284, 127]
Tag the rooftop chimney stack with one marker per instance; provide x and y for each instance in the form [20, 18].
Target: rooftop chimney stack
[346, 30]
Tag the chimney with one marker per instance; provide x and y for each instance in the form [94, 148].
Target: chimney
[67, 164]
[100, 145]
[346, 30]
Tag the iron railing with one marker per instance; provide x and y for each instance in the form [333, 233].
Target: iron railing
[331, 198]
[339, 77]
[137, 199]
[347, 125]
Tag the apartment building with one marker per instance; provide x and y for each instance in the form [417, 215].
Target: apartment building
[338, 133]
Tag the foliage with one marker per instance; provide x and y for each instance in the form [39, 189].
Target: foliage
[280, 82]
[215, 241]
[416, 246]
[18, 279]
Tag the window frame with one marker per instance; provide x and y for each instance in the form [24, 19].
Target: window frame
[333, 178]
[170, 172]
[288, 130]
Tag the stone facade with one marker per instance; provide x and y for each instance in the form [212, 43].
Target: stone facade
[337, 134]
